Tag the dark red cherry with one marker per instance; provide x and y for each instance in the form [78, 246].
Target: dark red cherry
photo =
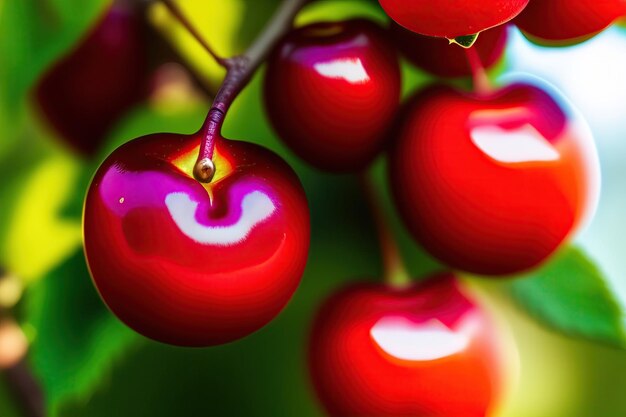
[424, 350]
[88, 89]
[188, 263]
[451, 18]
[439, 57]
[566, 22]
[331, 92]
[493, 184]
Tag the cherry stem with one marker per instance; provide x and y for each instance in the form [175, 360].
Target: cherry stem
[178, 14]
[481, 82]
[395, 272]
[239, 71]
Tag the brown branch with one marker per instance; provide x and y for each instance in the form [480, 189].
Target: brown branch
[26, 389]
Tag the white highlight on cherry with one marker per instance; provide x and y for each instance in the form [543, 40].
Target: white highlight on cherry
[347, 69]
[403, 339]
[255, 208]
[523, 144]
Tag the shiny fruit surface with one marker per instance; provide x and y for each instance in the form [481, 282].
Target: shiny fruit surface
[493, 184]
[192, 264]
[86, 91]
[424, 350]
[566, 22]
[451, 18]
[439, 57]
[331, 92]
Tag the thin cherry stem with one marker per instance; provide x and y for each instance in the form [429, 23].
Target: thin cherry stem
[178, 14]
[395, 272]
[481, 82]
[239, 71]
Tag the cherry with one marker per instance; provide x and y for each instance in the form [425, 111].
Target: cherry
[451, 18]
[85, 92]
[566, 22]
[423, 350]
[331, 92]
[493, 184]
[439, 57]
[188, 263]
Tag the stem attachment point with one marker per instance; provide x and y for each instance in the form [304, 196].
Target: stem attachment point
[204, 170]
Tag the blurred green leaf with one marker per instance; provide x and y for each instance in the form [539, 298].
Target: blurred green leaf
[77, 339]
[38, 178]
[338, 10]
[569, 294]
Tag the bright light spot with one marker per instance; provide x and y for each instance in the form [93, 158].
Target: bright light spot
[350, 70]
[590, 74]
[406, 340]
[11, 289]
[255, 208]
[523, 144]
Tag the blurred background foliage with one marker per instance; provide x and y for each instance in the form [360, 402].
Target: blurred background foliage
[89, 364]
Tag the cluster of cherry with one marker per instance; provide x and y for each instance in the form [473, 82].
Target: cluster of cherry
[490, 182]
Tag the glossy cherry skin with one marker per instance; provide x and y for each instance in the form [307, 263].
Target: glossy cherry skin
[566, 22]
[188, 264]
[425, 350]
[451, 18]
[493, 184]
[331, 92]
[86, 91]
[439, 57]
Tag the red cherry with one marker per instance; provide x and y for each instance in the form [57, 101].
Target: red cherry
[451, 18]
[425, 350]
[192, 264]
[566, 22]
[91, 87]
[439, 57]
[493, 184]
[331, 92]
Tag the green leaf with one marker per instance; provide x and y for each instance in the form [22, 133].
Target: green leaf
[466, 41]
[570, 295]
[77, 339]
[37, 179]
[338, 10]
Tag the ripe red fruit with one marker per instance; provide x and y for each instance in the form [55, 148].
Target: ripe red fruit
[493, 184]
[439, 57]
[188, 263]
[451, 18]
[331, 92]
[85, 92]
[565, 22]
[425, 350]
